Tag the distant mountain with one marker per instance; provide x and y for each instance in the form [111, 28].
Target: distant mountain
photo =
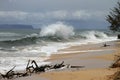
[15, 26]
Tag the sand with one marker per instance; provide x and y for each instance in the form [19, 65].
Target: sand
[96, 60]
[95, 73]
[91, 74]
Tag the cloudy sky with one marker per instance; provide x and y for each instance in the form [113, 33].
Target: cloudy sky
[80, 13]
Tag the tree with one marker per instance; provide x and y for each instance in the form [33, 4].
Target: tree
[114, 18]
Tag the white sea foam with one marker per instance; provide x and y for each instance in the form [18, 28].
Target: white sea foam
[65, 52]
[6, 63]
[93, 35]
[58, 29]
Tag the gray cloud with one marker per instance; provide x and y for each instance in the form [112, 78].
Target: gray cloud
[48, 5]
[40, 11]
[54, 15]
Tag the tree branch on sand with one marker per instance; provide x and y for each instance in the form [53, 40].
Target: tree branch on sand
[33, 67]
[9, 74]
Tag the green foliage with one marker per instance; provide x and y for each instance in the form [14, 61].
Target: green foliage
[114, 18]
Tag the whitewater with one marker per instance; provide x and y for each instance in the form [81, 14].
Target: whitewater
[18, 46]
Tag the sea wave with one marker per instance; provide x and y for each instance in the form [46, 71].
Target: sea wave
[58, 32]
[8, 34]
[40, 45]
[30, 40]
[93, 35]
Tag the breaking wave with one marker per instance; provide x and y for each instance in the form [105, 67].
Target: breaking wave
[59, 30]
[17, 47]
[22, 41]
[93, 35]
[30, 40]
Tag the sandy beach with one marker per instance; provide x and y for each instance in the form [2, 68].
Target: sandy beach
[59, 40]
[95, 58]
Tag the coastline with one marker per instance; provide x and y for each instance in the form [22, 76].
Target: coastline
[92, 70]
[95, 73]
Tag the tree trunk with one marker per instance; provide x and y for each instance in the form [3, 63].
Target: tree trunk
[118, 36]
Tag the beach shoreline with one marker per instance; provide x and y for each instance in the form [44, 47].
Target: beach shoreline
[95, 73]
[104, 56]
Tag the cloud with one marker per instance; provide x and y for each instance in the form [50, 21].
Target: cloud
[61, 14]
[81, 15]
[32, 17]
[13, 15]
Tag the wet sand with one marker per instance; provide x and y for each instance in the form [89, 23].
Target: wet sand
[96, 61]
[95, 58]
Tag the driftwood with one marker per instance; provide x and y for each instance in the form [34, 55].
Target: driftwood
[9, 74]
[43, 68]
[77, 66]
[33, 67]
[56, 66]
[74, 66]
[28, 68]
[105, 45]
[37, 68]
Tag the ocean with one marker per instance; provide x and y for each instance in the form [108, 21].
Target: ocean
[17, 46]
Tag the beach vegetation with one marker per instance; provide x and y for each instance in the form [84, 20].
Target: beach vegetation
[114, 18]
